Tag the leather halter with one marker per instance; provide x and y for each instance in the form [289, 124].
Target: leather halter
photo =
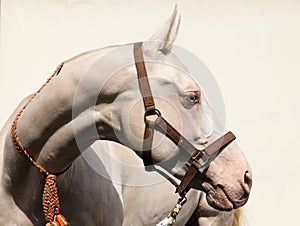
[199, 159]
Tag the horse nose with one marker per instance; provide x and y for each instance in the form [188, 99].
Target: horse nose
[247, 182]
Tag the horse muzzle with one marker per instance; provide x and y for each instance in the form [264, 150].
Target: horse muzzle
[228, 180]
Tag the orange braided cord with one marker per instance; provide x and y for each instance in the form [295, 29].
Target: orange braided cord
[50, 195]
[14, 133]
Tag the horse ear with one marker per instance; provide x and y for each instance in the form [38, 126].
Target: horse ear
[162, 40]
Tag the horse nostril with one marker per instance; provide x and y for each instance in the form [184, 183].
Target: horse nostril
[247, 182]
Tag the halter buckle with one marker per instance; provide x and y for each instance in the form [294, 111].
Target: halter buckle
[201, 159]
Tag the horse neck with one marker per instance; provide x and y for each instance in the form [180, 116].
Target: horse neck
[49, 126]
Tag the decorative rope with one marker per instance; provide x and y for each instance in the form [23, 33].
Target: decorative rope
[51, 206]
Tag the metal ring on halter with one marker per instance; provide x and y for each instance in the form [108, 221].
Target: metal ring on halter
[154, 112]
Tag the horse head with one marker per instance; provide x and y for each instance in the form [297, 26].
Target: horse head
[227, 181]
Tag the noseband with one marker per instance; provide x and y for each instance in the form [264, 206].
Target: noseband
[199, 159]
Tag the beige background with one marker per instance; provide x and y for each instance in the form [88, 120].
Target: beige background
[251, 47]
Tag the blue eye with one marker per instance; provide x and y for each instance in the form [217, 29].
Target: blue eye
[191, 98]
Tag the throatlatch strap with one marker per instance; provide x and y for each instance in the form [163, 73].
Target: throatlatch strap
[147, 146]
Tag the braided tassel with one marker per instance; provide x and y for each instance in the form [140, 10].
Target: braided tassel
[51, 205]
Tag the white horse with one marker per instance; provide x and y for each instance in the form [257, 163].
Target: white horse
[95, 96]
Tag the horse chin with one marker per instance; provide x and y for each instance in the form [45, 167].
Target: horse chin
[217, 198]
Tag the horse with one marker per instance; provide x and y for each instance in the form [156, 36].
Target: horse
[86, 126]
